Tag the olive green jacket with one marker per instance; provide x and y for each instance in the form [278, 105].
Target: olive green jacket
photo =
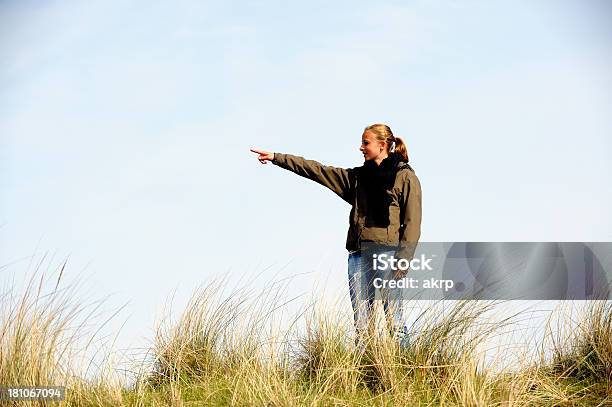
[404, 226]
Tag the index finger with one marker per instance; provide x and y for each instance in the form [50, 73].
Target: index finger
[257, 151]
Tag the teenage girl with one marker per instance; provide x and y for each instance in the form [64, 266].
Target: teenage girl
[385, 218]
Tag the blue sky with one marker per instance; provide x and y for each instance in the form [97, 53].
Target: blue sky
[125, 129]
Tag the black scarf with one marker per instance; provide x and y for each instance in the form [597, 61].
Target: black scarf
[377, 180]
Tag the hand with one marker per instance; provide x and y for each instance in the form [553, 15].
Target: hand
[264, 156]
[399, 274]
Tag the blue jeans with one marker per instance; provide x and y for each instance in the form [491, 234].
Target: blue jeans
[361, 276]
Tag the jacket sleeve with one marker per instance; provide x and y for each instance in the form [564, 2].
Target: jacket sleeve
[410, 213]
[339, 180]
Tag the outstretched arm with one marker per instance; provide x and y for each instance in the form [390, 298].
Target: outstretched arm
[337, 179]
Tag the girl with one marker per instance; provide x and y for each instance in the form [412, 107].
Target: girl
[385, 218]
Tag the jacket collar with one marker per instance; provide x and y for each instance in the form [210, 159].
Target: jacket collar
[392, 162]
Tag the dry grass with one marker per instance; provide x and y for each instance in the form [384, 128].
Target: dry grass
[46, 339]
[226, 350]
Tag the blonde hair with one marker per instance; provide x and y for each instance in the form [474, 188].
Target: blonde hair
[384, 133]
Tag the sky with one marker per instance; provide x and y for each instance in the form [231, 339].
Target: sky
[125, 130]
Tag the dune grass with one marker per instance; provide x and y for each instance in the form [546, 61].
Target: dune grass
[226, 350]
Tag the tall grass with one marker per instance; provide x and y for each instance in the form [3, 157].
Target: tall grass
[440, 365]
[582, 358]
[35, 337]
[47, 339]
[229, 349]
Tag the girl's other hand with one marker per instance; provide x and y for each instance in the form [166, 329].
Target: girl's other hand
[399, 274]
[264, 156]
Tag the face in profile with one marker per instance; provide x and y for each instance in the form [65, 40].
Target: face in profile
[370, 147]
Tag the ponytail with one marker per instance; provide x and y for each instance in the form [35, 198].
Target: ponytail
[400, 148]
